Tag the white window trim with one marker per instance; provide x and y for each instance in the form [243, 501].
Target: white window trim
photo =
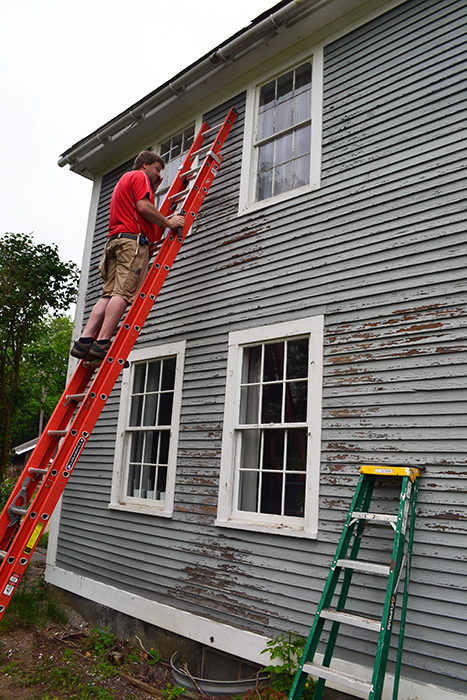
[118, 498]
[248, 175]
[227, 514]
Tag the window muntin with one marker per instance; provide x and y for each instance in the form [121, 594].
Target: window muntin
[283, 141]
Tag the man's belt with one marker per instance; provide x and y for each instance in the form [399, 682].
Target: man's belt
[142, 239]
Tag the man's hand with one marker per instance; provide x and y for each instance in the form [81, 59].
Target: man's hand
[176, 221]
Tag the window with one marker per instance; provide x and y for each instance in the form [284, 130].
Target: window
[144, 472]
[282, 135]
[173, 152]
[271, 446]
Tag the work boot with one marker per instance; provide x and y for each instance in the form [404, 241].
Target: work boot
[81, 348]
[98, 351]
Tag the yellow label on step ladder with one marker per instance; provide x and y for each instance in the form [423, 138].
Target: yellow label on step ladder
[382, 470]
[34, 537]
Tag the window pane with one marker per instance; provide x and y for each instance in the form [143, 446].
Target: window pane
[148, 481]
[150, 409]
[139, 378]
[301, 174]
[283, 116]
[266, 156]
[296, 450]
[251, 443]
[302, 107]
[136, 411]
[168, 374]
[165, 409]
[271, 493]
[296, 402]
[297, 358]
[272, 403]
[282, 179]
[265, 124]
[154, 369]
[294, 495]
[249, 404]
[273, 454]
[176, 146]
[251, 364]
[150, 450]
[136, 451]
[134, 488]
[302, 141]
[273, 362]
[164, 447]
[302, 76]
[264, 186]
[267, 96]
[248, 492]
[284, 148]
[285, 86]
[161, 485]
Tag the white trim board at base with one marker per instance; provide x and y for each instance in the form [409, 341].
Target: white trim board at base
[212, 634]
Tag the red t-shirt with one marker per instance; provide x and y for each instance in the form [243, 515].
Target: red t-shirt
[124, 217]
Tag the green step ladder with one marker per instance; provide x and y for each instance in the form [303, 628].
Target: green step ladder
[345, 562]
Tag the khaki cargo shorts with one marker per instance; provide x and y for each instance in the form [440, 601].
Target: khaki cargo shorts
[127, 266]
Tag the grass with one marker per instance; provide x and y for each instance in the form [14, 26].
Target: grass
[31, 607]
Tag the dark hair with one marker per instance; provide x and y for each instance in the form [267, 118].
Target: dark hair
[147, 157]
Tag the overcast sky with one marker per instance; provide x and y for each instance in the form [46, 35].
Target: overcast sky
[67, 67]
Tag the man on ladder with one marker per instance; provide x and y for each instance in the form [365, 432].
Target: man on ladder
[133, 232]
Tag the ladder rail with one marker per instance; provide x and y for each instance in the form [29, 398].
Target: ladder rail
[39, 492]
[358, 519]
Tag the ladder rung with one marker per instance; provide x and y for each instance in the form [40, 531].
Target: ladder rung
[212, 130]
[379, 518]
[338, 677]
[352, 619]
[37, 470]
[3, 554]
[74, 397]
[18, 511]
[205, 147]
[189, 174]
[179, 195]
[364, 566]
[57, 433]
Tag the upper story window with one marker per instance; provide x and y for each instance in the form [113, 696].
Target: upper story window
[282, 144]
[173, 152]
[147, 436]
[271, 454]
[283, 135]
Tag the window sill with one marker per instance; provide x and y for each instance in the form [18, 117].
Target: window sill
[141, 508]
[248, 207]
[271, 529]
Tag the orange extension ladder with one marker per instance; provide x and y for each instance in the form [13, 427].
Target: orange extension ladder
[48, 470]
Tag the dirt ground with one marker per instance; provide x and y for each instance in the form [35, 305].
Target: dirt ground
[50, 663]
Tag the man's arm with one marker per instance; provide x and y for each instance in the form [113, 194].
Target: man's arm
[153, 215]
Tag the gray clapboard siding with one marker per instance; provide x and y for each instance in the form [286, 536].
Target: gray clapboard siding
[380, 249]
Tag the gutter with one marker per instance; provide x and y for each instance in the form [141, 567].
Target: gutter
[264, 27]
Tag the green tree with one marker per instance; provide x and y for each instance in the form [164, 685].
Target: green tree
[34, 283]
[42, 378]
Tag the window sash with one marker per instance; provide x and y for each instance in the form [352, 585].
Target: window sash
[293, 517]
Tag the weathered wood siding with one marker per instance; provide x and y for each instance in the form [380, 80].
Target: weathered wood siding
[380, 250]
